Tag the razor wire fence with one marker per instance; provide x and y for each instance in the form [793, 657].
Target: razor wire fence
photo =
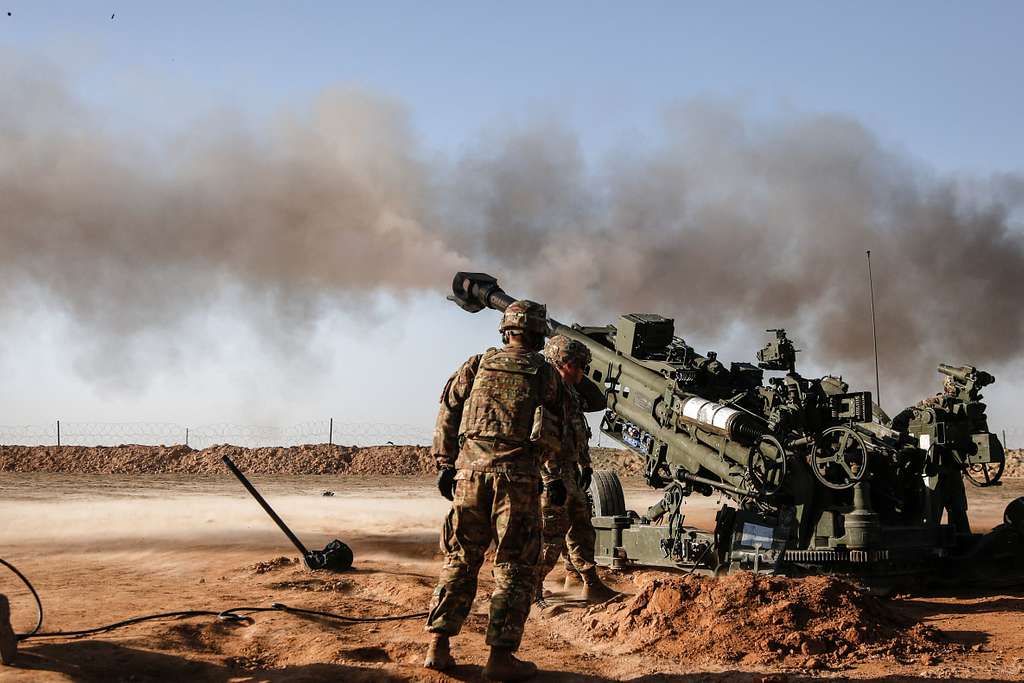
[62, 433]
[329, 431]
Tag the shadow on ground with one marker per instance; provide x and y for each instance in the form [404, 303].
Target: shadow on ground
[98, 660]
[95, 661]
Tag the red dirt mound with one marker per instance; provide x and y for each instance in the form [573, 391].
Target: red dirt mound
[1014, 463]
[815, 622]
[132, 459]
[618, 460]
[308, 459]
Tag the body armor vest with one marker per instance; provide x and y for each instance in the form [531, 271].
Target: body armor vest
[505, 398]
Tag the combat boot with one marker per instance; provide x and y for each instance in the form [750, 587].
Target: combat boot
[439, 656]
[8, 639]
[503, 666]
[573, 580]
[594, 589]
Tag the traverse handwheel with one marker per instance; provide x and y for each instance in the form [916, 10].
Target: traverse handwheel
[839, 458]
[766, 466]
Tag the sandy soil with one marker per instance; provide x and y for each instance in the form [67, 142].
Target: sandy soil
[102, 547]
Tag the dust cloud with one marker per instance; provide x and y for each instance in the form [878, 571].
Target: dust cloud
[718, 219]
[132, 514]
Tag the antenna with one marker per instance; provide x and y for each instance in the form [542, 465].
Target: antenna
[874, 331]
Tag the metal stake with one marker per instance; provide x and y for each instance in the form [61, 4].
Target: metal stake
[266, 506]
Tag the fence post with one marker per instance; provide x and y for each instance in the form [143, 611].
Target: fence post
[186, 437]
[58, 432]
[1005, 444]
[330, 433]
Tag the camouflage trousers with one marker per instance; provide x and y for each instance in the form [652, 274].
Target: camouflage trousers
[497, 507]
[947, 494]
[567, 528]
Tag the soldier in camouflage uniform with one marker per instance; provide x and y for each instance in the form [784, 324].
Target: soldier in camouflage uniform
[569, 527]
[499, 429]
[947, 394]
[945, 479]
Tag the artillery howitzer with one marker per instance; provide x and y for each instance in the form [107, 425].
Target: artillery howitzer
[815, 484]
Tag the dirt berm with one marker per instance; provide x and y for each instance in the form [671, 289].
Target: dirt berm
[310, 459]
[814, 622]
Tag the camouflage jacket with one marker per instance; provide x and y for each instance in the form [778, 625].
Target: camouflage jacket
[513, 424]
[938, 401]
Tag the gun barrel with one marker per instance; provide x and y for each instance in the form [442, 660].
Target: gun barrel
[962, 373]
[642, 404]
[474, 292]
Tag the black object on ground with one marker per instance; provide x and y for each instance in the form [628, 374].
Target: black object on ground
[336, 556]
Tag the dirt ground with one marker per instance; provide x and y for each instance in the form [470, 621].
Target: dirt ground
[105, 547]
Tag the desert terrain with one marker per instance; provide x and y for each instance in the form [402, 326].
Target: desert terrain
[105, 534]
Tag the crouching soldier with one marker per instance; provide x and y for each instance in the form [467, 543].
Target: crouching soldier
[569, 527]
[499, 429]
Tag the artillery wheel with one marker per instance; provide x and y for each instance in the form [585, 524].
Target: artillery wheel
[605, 494]
[766, 465]
[839, 458]
[985, 474]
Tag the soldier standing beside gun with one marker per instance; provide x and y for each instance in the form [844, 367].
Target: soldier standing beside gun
[498, 430]
[943, 399]
[568, 527]
[945, 480]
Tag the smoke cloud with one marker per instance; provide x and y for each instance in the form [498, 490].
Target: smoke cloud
[722, 221]
[729, 221]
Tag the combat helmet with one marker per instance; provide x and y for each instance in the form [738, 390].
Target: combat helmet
[525, 316]
[561, 350]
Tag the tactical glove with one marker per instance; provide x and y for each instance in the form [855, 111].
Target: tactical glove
[446, 482]
[556, 492]
[586, 475]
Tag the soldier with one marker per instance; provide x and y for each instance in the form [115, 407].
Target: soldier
[569, 525]
[945, 480]
[947, 394]
[499, 429]
[8, 639]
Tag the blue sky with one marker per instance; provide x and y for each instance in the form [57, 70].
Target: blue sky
[939, 82]
[938, 79]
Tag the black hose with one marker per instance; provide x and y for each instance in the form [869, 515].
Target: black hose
[237, 615]
[341, 617]
[35, 596]
[184, 614]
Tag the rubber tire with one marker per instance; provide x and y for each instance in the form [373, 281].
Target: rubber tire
[605, 494]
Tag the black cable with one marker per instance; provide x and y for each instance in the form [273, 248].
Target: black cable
[184, 614]
[238, 615]
[342, 617]
[39, 603]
